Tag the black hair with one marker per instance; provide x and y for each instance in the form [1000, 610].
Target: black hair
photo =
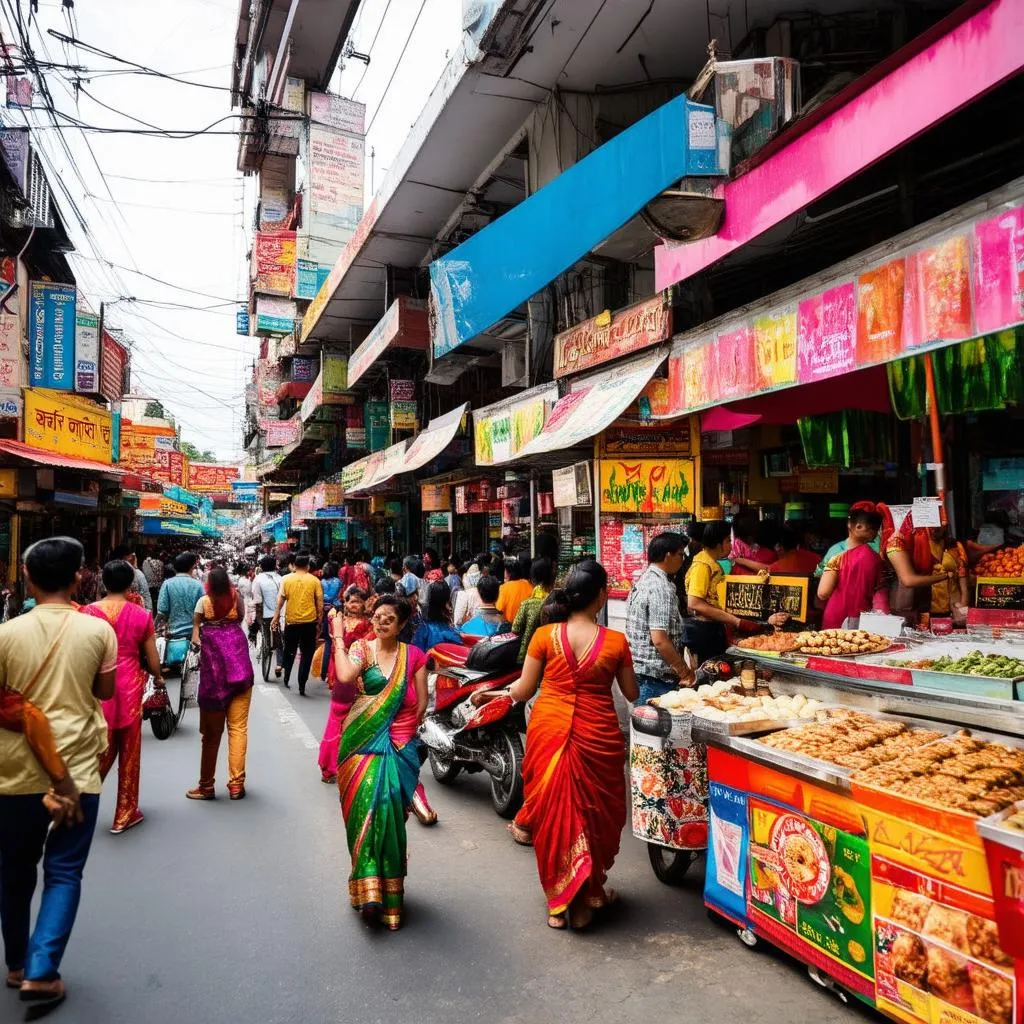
[745, 527]
[767, 534]
[395, 567]
[118, 576]
[185, 562]
[218, 580]
[555, 608]
[383, 586]
[355, 591]
[362, 555]
[268, 563]
[330, 571]
[585, 583]
[514, 568]
[665, 544]
[435, 558]
[488, 588]
[483, 559]
[121, 552]
[542, 572]
[302, 561]
[865, 516]
[789, 539]
[402, 608]
[438, 596]
[498, 567]
[416, 567]
[241, 568]
[52, 563]
[715, 533]
[695, 530]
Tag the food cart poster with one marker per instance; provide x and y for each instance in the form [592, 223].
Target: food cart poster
[809, 892]
[725, 875]
[937, 954]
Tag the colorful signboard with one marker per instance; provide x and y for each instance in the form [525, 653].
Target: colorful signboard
[51, 319]
[210, 477]
[403, 405]
[274, 258]
[378, 426]
[113, 368]
[10, 354]
[661, 486]
[827, 333]
[330, 110]
[280, 433]
[275, 316]
[67, 425]
[611, 335]
[335, 167]
[242, 321]
[501, 434]
[87, 352]
[571, 486]
[435, 497]
[404, 325]
[140, 446]
[309, 276]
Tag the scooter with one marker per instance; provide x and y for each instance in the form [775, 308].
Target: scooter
[459, 736]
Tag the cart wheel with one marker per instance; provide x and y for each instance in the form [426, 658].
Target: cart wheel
[670, 866]
[266, 656]
[747, 937]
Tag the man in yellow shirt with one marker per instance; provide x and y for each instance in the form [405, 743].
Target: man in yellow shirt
[64, 663]
[304, 596]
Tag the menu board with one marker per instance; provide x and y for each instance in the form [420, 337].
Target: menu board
[999, 593]
[624, 543]
[756, 597]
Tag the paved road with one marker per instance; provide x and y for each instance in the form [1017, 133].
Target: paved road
[223, 913]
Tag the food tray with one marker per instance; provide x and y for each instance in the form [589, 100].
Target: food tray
[810, 652]
[991, 828]
[762, 725]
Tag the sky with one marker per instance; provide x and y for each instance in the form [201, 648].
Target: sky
[173, 215]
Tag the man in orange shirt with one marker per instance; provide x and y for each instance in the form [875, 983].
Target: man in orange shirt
[515, 590]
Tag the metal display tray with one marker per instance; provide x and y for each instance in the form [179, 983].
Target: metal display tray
[710, 727]
[990, 828]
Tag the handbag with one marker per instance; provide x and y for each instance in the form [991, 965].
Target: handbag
[316, 669]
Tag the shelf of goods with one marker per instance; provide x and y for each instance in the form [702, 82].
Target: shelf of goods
[873, 830]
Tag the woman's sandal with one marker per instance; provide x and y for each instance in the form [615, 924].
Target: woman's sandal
[519, 834]
[557, 922]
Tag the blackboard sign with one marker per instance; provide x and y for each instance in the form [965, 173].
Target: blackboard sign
[991, 592]
[757, 597]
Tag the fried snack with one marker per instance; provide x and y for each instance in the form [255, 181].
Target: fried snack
[983, 941]
[910, 909]
[948, 978]
[993, 994]
[948, 926]
[780, 643]
[910, 960]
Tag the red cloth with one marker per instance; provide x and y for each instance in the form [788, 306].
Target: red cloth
[798, 563]
[860, 571]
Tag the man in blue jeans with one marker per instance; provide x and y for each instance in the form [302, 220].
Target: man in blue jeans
[63, 663]
[654, 623]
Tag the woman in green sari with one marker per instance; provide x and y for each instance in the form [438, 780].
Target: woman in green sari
[378, 760]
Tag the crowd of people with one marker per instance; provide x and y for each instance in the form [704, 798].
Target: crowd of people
[77, 665]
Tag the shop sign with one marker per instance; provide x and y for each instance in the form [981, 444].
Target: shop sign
[274, 263]
[245, 492]
[113, 368]
[10, 353]
[10, 405]
[168, 466]
[378, 425]
[403, 405]
[15, 148]
[624, 548]
[210, 477]
[500, 436]
[138, 447]
[817, 481]
[757, 597]
[67, 425]
[8, 483]
[611, 335]
[627, 436]
[335, 163]
[775, 355]
[827, 333]
[725, 457]
[302, 369]
[332, 512]
[999, 593]
[87, 352]
[309, 276]
[275, 316]
[435, 497]
[334, 111]
[242, 324]
[51, 320]
[1002, 474]
[998, 282]
[662, 486]
[280, 433]
[571, 486]
[439, 522]
[404, 325]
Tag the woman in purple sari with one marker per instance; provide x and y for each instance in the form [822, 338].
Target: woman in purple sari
[225, 683]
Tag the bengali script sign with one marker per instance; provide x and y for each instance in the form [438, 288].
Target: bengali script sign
[67, 426]
[610, 335]
[664, 486]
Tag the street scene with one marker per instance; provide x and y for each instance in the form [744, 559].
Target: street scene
[512, 510]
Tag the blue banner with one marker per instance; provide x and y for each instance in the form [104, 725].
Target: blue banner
[242, 320]
[115, 436]
[725, 875]
[51, 318]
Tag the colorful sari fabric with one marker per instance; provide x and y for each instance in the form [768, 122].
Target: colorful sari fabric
[860, 588]
[347, 629]
[225, 669]
[573, 771]
[378, 768]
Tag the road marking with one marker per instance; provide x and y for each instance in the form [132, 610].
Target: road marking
[294, 727]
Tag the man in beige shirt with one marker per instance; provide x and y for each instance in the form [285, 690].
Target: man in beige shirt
[64, 663]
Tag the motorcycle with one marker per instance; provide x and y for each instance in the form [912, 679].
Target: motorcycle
[461, 737]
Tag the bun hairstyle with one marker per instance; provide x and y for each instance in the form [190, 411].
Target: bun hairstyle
[584, 585]
[555, 608]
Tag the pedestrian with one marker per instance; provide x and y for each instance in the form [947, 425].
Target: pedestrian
[65, 663]
[542, 576]
[243, 582]
[89, 582]
[225, 683]
[514, 591]
[488, 620]
[176, 605]
[467, 600]
[331, 585]
[453, 577]
[346, 625]
[136, 652]
[432, 570]
[436, 627]
[153, 570]
[574, 786]
[379, 761]
[654, 623]
[140, 586]
[304, 596]
[265, 587]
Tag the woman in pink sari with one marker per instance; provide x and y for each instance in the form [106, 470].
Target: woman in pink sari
[853, 580]
[136, 641]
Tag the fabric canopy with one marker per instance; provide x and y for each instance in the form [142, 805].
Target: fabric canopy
[388, 466]
[429, 443]
[593, 405]
[44, 458]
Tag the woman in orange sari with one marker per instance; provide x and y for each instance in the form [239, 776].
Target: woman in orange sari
[573, 773]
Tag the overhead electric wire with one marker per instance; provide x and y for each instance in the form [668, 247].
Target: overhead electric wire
[369, 51]
[158, 280]
[394, 71]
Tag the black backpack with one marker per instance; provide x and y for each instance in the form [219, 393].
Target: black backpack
[496, 653]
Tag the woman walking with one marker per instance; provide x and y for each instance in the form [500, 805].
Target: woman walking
[345, 628]
[136, 644]
[225, 683]
[331, 585]
[378, 762]
[573, 770]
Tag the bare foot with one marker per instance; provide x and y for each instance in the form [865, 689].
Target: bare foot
[557, 921]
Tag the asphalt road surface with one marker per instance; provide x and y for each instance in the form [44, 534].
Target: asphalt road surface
[231, 912]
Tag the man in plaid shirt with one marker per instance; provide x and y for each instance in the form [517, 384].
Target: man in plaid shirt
[654, 624]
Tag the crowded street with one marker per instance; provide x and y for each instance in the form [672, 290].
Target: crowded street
[238, 912]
